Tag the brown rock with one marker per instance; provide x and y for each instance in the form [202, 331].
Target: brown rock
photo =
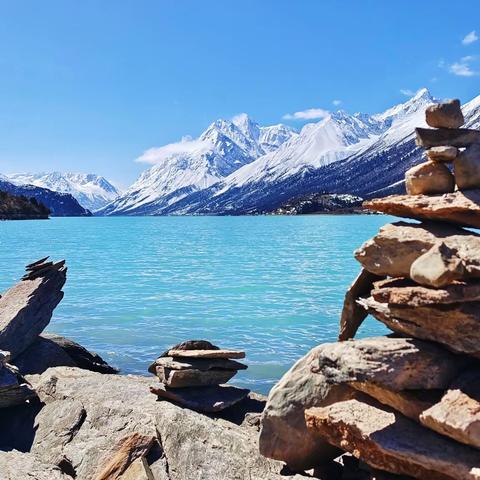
[129, 449]
[26, 309]
[206, 353]
[460, 208]
[447, 114]
[202, 364]
[399, 291]
[352, 313]
[388, 441]
[457, 416]
[456, 326]
[442, 154]
[193, 378]
[438, 267]
[429, 178]
[393, 250]
[202, 399]
[458, 137]
[467, 168]
[410, 403]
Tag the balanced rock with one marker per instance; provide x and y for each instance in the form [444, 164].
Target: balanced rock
[460, 208]
[438, 267]
[202, 364]
[394, 249]
[26, 309]
[400, 291]
[447, 114]
[192, 377]
[352, 313]
[457, 416]
[444, 153]
[429, 178]
[458, 137]
[455, 326]
[323, 376]
[388, 441]
[467, 168]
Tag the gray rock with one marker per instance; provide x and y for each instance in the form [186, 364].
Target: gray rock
[429, 178]
[26, 309]
[202, 399]
[202, 364]
[467, 168]
[458, 137]
[447, 114]
[319, 379]
[442, 154]
[192, 377]
[16, 465]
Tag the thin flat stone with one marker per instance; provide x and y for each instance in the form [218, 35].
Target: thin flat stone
[206, 353]
[455, 137]
[203, 399]
[202, 364]
[193, 378]
[388, 441]
[460, 208]
[400, 291]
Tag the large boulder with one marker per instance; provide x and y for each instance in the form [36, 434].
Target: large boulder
[323, 376]
[386, 440]
[460, 208]
[396, 246]
[429, 178]
[27, 307]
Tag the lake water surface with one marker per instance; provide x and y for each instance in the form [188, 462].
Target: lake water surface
[273, 286]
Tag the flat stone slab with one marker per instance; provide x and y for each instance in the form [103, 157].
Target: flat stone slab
[400, 291]
[455, 326]
[457, 416]
[388, 441]
[202, 364]
[460, 208]
[203, 399]
[193, 378]
[398, 245]
[206, 353]
[455, 137]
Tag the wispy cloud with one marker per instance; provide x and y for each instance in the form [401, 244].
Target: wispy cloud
[407, 92]
[463, 67]
[309, 114]
[337, 102]
[470, 38]
[187, 145]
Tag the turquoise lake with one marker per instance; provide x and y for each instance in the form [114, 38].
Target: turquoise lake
[273, 286]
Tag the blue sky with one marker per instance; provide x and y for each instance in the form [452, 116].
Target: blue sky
[89, 85]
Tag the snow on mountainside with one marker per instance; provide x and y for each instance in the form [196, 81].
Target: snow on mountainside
[91, 191]
[183, 168]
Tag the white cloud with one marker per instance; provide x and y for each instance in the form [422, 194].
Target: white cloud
[337, 102]
[470, 38]
[186, 146]
[463, 68]
[309, 114]
[407, 92]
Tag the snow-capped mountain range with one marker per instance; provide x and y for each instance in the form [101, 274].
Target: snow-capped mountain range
[91, 191]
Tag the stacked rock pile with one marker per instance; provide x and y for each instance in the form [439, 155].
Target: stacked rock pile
[192, 374]
[407, 403]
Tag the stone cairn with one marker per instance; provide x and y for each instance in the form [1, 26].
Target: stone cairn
[407, 403]
[192, 375]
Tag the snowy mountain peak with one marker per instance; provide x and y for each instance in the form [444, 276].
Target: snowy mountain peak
[90, 190]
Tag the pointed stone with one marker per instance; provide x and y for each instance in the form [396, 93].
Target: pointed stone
[446, 114]
[442, 154]
[352, 313]
[460, 208]
[455, 137]
[455, 326]
[429, 178]
[388, 441]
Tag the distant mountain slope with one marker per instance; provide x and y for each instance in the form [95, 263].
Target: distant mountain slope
[21, 208]
[192, 165]
[91, 191]
[59, 204]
